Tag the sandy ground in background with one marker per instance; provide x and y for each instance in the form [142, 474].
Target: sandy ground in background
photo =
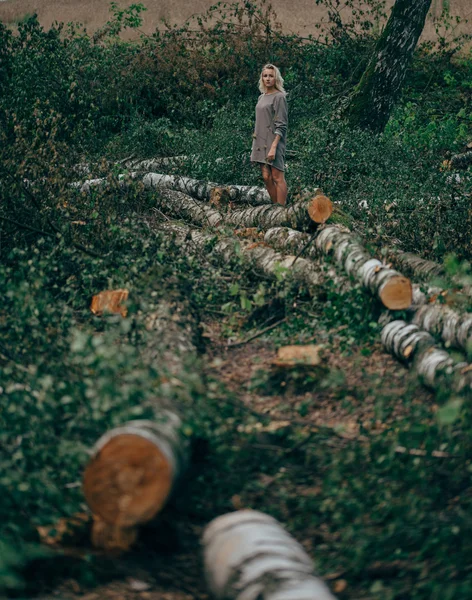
[298, 16]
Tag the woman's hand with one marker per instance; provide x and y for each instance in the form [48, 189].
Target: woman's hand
[271, 153]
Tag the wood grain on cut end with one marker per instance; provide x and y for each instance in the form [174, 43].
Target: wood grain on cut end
[320, 209]
[110, 301]
[128, 481]
[397, 293]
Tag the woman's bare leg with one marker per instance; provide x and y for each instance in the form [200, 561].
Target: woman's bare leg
[281, 186]
[269, 182]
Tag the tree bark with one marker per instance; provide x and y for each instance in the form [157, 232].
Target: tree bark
[249, 555]
[265, 259]
[453, 328]
[434, 366]
[375, 95]
[415, 265]
[182, 206]
[390, 287]
[134, 468]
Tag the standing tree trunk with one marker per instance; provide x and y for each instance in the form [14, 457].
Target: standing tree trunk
[380, 85]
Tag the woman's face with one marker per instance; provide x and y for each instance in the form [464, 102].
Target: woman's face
[268, 78]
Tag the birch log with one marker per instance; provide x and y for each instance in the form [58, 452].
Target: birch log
[134, 467]
[304, 214]
[248, 555]
[182, 206]
[393, 289]
[205, 190]
[453, 328]
[417, 348]
[422, 269]
[265, 259]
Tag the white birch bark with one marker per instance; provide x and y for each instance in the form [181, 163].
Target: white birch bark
[434, 366]
[393, 289]
[265, 259]
[441, 320]
[179, 205]
[202, 190]
[411, 263]
[295, 215]
[248, 555]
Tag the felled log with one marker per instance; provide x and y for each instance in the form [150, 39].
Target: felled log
[393, 289]
[453, 328]
[248, 555]
[422, 269]
[417, 348]
[88, 185]
[205, 190]
[180, 205]
[134, 467]
[131, 475]
[304, 214]
[265, 259]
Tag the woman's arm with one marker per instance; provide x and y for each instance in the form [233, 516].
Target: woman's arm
[280, 115]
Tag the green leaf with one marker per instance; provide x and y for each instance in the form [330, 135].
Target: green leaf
[450, 412]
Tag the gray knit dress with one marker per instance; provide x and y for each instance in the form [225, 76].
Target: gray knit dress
[271, 120]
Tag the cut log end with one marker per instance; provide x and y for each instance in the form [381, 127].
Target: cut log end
[320, 209]
[128, 481]
[397, 293]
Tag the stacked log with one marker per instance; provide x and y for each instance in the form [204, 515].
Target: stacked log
[248, 555]
[135, 467]
[393, 289]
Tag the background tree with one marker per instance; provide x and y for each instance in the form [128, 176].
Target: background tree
[380, 85]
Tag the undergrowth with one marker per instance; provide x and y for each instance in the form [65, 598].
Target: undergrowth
[393, 525]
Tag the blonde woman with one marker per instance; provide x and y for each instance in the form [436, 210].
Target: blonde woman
[268, 146]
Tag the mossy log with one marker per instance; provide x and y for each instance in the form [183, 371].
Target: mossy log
[393, 289]
[417, 348]
[134, 467]
[248, 555]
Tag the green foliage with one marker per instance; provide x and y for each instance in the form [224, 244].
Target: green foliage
[66, 376]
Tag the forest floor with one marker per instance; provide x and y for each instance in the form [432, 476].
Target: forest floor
[368, 396]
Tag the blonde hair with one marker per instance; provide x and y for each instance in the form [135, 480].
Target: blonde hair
[279, 82]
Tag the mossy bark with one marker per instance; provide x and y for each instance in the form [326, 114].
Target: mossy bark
[380, 85]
